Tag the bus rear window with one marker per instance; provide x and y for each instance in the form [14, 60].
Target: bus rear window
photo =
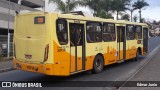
[62, 31]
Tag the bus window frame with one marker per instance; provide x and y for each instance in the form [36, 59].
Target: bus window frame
[127, 31]
[144, 28]
[138, 32]
[101, 26]
[108, 32]
[66, 24]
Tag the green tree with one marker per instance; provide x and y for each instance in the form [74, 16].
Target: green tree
[131, 9]
[139, 4]
[99, 6]
[67, 6]
[126, 17]
[106, 5]
[104, 14]
[119, 6]
[135, 18]
[95, 5]
[143, 20]
[109, 15]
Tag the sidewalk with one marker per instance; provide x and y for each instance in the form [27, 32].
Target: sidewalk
[6, 65]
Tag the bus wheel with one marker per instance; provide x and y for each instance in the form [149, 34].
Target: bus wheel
[137, 56]
[98, 64]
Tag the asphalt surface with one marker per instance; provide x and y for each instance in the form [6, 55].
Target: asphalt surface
[6, 65]
[149, 73]
[111, 73]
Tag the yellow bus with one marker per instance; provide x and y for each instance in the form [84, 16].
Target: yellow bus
[66, 44]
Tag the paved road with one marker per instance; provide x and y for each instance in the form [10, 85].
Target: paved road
[153, 42]
[150, 72]
[110, 73]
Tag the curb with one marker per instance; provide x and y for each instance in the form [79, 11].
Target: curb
[145, 61]
[137, 69]
[5, 60]
[7, 69]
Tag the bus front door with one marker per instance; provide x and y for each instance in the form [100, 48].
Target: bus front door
[121, 43]
[145, 40]
[77, 47]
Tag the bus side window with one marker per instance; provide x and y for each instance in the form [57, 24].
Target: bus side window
[94, 32]
[138, 32]
[109, 32]
[61, 30]
[130, 32]
[79, 36]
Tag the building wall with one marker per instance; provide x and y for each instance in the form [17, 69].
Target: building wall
[4, 10]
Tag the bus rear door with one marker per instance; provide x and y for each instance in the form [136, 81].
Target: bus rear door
[121, 43]
[77, 47]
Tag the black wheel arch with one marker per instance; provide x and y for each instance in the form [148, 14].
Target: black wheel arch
[100, 54]
[94, 68]
[139, 50]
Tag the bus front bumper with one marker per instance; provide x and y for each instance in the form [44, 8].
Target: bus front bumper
[39, 68]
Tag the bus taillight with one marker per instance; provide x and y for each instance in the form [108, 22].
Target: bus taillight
[46, 52]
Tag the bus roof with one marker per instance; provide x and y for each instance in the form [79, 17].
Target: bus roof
[86, 18]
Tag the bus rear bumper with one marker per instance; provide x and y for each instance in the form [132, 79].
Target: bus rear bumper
[39, 68]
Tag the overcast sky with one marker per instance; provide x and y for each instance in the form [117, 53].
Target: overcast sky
[151, 12]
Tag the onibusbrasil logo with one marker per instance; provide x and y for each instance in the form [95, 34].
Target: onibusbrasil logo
[20, 84]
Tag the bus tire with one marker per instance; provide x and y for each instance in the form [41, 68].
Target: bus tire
[98, 64]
